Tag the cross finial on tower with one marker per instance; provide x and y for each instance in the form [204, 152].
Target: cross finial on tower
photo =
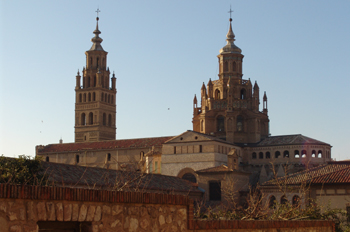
[97, 11]
[230, 13]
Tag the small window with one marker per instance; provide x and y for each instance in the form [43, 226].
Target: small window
[254, 155]
[215, 191]
[225, 66]
[277, 154]
[296, 154]
[296, 201]
[156, 166]
[319, 154]
[303, 153]
[84, 97]
[243, 94]
[313, 153]
[77, 158]
[267, 155]
[174, 149]
[272, 202]
[286, 154]
[220, 123]
[83, 119]
[261, 155]
[104, 119]
[200, 149]
[47, 159]
[80, 98]
[93, 96]
[89, 97]
[234, 66]
[109, 157]
[284, 200]
[239, 123]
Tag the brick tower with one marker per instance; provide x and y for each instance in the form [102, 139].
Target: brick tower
[230, 105]
[95, 99]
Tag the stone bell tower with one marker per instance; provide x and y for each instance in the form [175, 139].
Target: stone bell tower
[95, 98]
[230, 105]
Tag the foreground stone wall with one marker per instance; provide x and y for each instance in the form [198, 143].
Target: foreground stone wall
[22, 208]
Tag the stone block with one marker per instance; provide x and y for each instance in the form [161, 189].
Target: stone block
[12, 216]
[82, 213]
[90, 213]
[4, 224]
[182, 214]
[75, 212]
[41, 209]
[169, 219]
[144, 224]
[116, 209]
[51, 211]
[98, 214]
[3, 207]
[67, 212]
[16, 228]
[115, 223]
[95, 228]
[59, 212]
[30, 211]
[161, 220]
[22, 214]
[134, 224]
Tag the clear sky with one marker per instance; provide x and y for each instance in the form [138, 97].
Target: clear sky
[161, 52]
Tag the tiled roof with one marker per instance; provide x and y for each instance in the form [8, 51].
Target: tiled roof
[210, 137]
[331, 173]
[100, 178]
[112, 144]
[289, 140]
[221, 168]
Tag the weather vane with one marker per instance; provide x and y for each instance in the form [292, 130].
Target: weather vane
[97, 11]
[230, 11]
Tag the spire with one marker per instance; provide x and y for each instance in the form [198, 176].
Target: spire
[203, 86]
[195, 99]
[265, 97]
[230, 47]
[256, 85]
[96, 46]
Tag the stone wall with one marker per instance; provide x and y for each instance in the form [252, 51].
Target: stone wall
[23, 208]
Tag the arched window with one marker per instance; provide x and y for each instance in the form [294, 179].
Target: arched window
[234, 66]
[225, 66]
[243, 94]
[84, 97]
[102, 96]
[272, 202]
[109, 157]
[254, 155]
[103, 63]
[105, 97]
[296, 201]
[93, 96]
[109, 98]
[239, 123]
[91, 118]
[267, 155]
[88, 82]
[83, 119]
[286, 154]
[112, 99]
[80, 98]
[77, 158]
[313, 153]
[277, 154]
[319, 154]
[217, 94]
[303, 153]
[47, 159]
[261, 155]
[91, 61]
[94, 81]
[220, 123]
[89, 97]
[104, 119]
[109, 120]
[97, 64]
[190, 177]
[284, 200]
[296, 154]
[202, 122]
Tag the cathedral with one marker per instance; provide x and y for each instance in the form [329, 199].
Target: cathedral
[230, 136]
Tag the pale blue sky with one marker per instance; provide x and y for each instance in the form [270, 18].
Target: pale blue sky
[161, 52]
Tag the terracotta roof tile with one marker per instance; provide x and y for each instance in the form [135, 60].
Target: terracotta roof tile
[104, 145]
[288, 140]
[332, 173]
[100, 178]
[221, 168]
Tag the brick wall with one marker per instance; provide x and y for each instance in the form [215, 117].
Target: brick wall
[22, 207]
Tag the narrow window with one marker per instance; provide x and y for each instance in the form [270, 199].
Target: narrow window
[84, 97]
[102, 96]
[83, 119]
[200, 148]
[296, 201]
[313, 153]
[277, 154]
[109, 98]
[97, 64]
[202, 125]
[93, 96]
[77, 158]
[104, 119]
[89, 97]
[319, 154]
[109, 120]
[254, 155]
[150, 167]
[296, 154]
[286, 154]
[234, 66]
[112, 99]
[217, 94]
[225, 66]
[243, 94]
[272, 202]
[220, 123]
[94, 81]
[174, 149]
[215, 191]
[239, 123]
[267, 155]
[303, 153]
[284, 200]
[47, 159]
[156, 166]
[91, 116]
[109, 157]
[80, 98]
[261, 155]
[105, 97]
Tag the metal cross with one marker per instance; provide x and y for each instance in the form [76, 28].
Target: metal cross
[97, 11]
[230, 11]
